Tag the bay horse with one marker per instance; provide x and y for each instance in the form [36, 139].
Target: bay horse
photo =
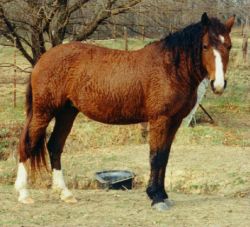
[156, 84]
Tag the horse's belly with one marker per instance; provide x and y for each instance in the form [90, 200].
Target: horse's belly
[111, 111]
[119, 119]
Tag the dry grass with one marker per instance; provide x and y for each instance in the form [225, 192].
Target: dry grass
[210, 170]
[119, 208]
[219, 184]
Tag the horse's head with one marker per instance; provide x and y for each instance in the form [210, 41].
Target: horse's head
[216, 45]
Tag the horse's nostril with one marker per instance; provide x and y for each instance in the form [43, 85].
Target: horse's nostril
[212, 84]
[225, 84]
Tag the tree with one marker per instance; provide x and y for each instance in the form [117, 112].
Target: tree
[35, 25]
[31, 24]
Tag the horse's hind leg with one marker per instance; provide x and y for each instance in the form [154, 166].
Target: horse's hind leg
[31, 147]
[64, 121]
[21, 185]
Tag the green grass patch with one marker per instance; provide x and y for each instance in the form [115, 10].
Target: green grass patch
[133, 44]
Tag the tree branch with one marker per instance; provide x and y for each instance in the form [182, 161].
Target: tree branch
[103, 15]
[15, 36]
[125, 7]
[76, 6]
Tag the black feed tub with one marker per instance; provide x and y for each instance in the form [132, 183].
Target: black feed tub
[115, 179]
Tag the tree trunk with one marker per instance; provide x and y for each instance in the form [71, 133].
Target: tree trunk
[57, 27]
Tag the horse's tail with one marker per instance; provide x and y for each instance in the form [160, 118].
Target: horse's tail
[32, 144]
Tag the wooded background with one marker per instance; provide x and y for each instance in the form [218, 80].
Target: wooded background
[33, 26]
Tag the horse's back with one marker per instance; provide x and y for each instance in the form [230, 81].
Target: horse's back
[72, 59]
[109, 86]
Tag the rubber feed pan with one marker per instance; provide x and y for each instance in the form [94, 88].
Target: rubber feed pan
[115, 179]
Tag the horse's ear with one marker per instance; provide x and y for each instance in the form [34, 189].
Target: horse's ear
[229, 23]
[205, 21]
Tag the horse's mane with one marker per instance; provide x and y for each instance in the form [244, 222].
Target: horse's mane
[189, 41]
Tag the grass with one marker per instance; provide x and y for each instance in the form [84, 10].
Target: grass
[133, 44]
[209, 170]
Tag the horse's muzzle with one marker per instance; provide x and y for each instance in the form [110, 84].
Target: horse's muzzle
[218, 90]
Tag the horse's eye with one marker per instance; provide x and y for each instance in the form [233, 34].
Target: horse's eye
[229, 47]
[205, 46]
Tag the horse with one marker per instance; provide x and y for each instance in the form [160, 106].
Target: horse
[156, 84]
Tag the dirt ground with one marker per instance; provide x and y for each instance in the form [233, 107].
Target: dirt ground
[117, 208]
[210, 186]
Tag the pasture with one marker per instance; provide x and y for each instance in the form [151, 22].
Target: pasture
[208, 175]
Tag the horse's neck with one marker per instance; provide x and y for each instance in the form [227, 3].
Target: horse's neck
[185, 73]
[192, 76]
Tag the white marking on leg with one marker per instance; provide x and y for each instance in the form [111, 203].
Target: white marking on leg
[222, 39]
[59, 184]
[219, 73]
[21, 183]
[58, 181]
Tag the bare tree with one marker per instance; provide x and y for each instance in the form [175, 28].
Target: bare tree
[36, 25]
[30, 24]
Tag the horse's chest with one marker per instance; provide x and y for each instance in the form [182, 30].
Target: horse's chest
[174, 103]
[187, 105]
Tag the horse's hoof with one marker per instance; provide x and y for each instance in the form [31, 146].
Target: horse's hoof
[168, 202]
[161, 206]
[27, 200]
[70, 199]
[67, 196]
[56, 190]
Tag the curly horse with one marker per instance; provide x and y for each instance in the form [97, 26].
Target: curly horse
[156, 84]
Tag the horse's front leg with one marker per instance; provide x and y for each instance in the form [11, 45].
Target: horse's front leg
[162, 131]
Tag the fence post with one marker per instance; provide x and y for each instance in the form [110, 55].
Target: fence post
[126, 37]
[14, 76]
[114, 31]
[245, 41]
[113, 28]
[245, 47]
[142, 24]
[143, 32]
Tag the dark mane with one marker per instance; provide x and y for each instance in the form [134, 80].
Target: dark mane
[189, 42]
[216, 29]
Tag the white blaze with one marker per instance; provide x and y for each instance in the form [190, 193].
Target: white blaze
[21, 182]
[219, 73]
[222, 39]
